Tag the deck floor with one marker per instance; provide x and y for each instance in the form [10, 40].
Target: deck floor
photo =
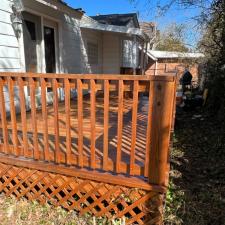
[140, 148]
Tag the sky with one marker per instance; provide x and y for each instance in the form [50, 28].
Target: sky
[146, 12]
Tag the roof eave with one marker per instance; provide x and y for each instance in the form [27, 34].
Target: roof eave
[112, 28]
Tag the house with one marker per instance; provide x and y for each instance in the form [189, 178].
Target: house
[83, 153]
[48, 36]
[56, 38]
[161, 62]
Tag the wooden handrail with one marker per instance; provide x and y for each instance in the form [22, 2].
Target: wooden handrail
[168, 77]
[104, 131]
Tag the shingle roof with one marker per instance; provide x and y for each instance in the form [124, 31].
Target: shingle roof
[117, 19]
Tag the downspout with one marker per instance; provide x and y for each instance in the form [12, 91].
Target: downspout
[134, 58]
[145, 56]
[142, 58]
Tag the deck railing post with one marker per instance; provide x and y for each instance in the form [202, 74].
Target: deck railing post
[161, 121]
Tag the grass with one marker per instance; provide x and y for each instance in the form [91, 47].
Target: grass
[23, 212]
[196, 194]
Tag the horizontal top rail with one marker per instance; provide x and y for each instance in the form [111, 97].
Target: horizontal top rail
[166, 78]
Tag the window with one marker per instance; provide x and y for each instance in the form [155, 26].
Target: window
[31, 29]
[92, 50]
[130, 53]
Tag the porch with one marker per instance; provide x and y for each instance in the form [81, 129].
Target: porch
[117, 135]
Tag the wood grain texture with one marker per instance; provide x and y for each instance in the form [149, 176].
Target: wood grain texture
[161, 123]
[23, 116]
[93, 120]
[106, 125]
[80, 121]
[3, 118]
[56, 119]
[68, 121]
[13, 115]
[119, 126]
[134, 126]
[34, 118]
[45, 118]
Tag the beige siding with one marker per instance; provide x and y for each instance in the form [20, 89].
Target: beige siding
[111, 53]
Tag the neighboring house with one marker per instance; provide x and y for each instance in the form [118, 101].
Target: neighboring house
[48, 36]
[161, 62]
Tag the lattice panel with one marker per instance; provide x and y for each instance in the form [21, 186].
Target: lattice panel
[84, 196]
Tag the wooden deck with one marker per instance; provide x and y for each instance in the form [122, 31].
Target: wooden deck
[105, 153]
[140, 148]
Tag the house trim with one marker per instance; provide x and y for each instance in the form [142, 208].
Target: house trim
[112, 28]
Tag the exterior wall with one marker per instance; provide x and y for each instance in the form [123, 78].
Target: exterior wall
[94, 37]
[9, 45]
[10, 59]
[70, 42]
[111, 53]
[164, 66]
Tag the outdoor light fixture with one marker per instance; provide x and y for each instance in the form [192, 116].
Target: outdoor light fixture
[16, 17]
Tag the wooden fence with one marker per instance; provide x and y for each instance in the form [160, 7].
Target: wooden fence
[106, 128]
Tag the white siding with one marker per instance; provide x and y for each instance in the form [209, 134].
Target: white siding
[4, 16]
[5, 6]
[9, 49]
[95, 37]
[111, 53]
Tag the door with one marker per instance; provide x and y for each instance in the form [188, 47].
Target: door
[32, 42]
[50, 57]
[50, 35]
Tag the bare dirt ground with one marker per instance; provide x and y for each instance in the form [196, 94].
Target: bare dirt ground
[197, 185]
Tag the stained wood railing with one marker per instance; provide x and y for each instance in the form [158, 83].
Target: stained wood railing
[118, 124]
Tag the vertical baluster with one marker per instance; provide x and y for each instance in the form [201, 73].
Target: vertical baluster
[56, 119]
[13, 116]
[68, 121]
[45, 118]
[134, 127]
[148, 135]
[119, 125]
[34, 118]
[80, 121]
[93, 101]
[3, 118]
[23, 115]
[106, 125]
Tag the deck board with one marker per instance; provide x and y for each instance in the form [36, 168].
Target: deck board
[140, 147]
